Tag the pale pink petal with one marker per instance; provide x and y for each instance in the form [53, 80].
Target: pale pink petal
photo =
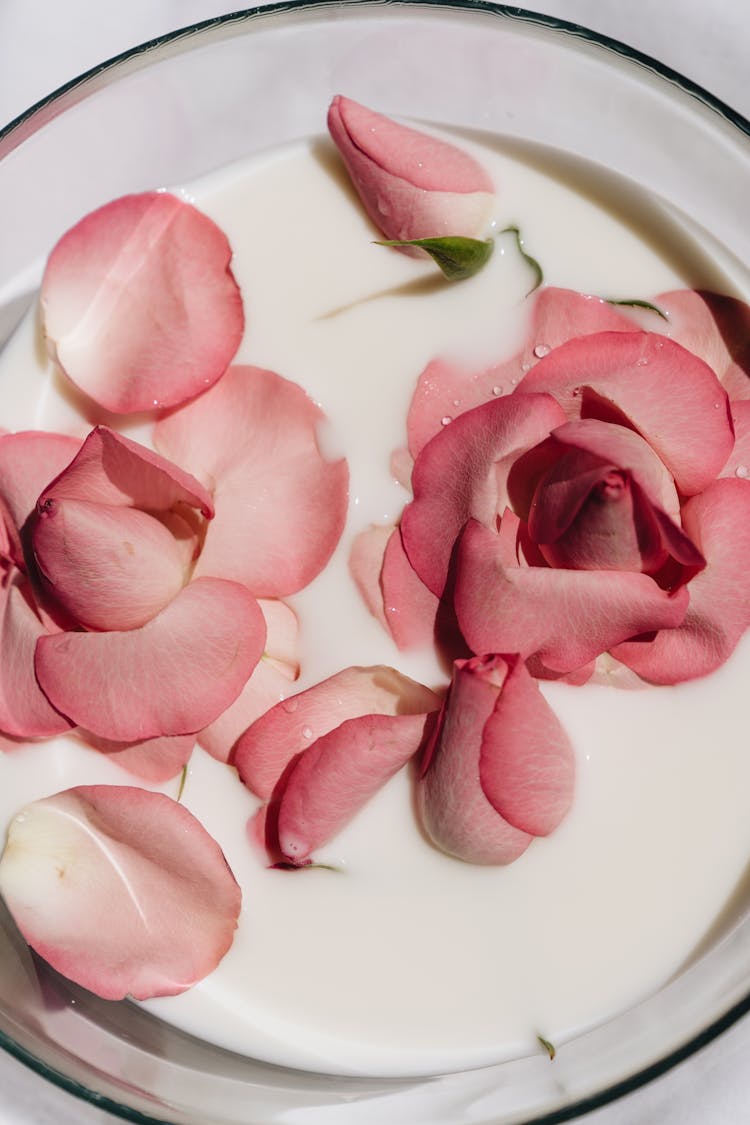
[453, 808]
[175, 675]
[270, 682]
[411, 185]
[110, 568]
[120, 889]
[719, 611]
[716, 328]
[340, 773]
[140, 306]
[153, 759]
[560, 315]
[410, 607]
[446, 389]
[25, 712]
[565, 617]
[462, 473]
[28, 462]
[526, 765]
[366, 565]
[280, 506]
[112, 469]
[266, 748]
[402, 464]
[672, 398]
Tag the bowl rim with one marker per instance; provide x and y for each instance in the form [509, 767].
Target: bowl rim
[36, 116]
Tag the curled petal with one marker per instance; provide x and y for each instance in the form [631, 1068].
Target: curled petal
[174, 675]
[140, 306]
[453, 808]
[280, 506]
[110, 568]
[716, 328]
[672, 398]
[119, 889]
[564, 617]
[269, 745]
[719, 610]
[112, 469]
[25, 712]
[411, 185]
[391, 589]
[462, 472]
[28, 462]
[526, 765]
[338, 774]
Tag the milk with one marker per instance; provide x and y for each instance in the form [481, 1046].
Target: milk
[403, 961]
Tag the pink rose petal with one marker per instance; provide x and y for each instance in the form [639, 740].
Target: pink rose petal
[526, 765]
[446, 389]
[716, 328]
[140, 306]
[410, 607]
[110, 568]
[153, 759]
[366, 565]
[565, 617]
[453, 808]
[28, 462]
[462, 472]
[280, 506]
[738, 463]
[174, 675]
[25, 712]
[269, 745]
[668, 395]
[336, 776]
[120, 889]
[411, 185]
[719, 611]
[560, 315]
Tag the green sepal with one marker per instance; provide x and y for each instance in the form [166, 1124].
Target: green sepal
[549, 1047]
[457, 257]
[635, 303]
[532, 263]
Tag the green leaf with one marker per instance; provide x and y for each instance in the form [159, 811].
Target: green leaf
[549, 1047]
[532, 263]
[635, 303]
[457, 257]
[282, 866]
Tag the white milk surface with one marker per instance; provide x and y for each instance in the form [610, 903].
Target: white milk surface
[404, 961]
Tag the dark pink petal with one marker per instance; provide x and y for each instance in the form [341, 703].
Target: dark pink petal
[271, 681]
[411, 185]
[266, 748]
[112, 469]
[526, 765]
[154, 759]
[719, 611]
[668, 395]
[109, 567]
[25, 712]
[28, 462]
[565, 617]
[140, 306]
[340, 773]
[716, 328]
[175, 675]
[462, 472]
[453, 808]
[280, 506]
[120, 889]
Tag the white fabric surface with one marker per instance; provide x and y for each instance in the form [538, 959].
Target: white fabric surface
[43, 43]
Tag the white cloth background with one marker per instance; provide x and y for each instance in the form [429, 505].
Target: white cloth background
[43, 43]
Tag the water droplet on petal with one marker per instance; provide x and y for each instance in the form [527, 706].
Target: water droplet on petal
[514, 381]
[307, 732]
[457, 402]
[541, 350]
[446, 420]
[497, 391]
[642, 362]
[742, 472]
[717, 405]
[576, 392]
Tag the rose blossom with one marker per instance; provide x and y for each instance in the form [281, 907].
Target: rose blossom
[412, 185]
[590, 511]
